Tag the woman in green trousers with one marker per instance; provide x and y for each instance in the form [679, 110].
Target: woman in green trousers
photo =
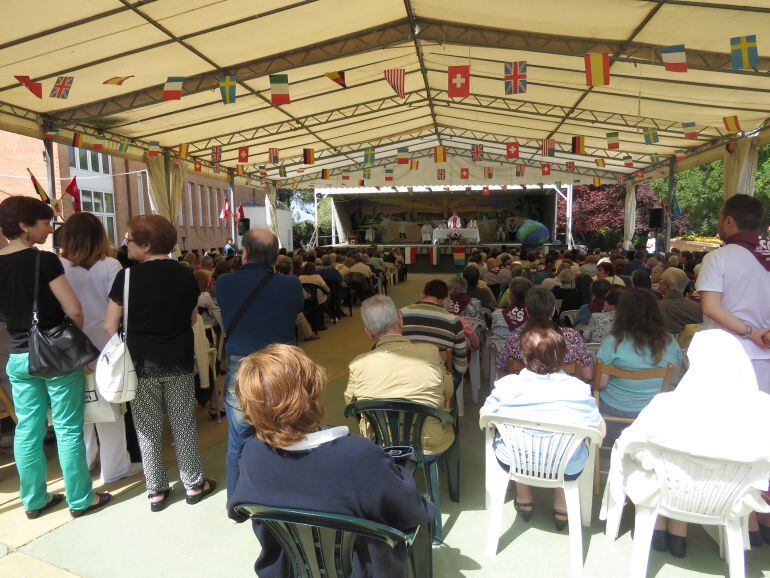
[26, 222]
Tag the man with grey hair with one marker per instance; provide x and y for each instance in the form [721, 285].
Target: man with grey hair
[397, 367]
[678, 310]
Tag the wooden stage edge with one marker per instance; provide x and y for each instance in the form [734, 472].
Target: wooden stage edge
[545, 246]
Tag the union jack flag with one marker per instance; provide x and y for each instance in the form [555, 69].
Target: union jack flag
[477, 152]
[216, 153]
[515, 75]
[488, 173]
[547, 147]
[570, 167]
[61, 89]
[441, 174]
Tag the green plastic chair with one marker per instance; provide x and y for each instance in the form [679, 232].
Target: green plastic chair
[398, 422]
[320, 545]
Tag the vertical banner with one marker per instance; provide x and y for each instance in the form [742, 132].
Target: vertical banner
[410, 255]
[458, 253]
[435, 256]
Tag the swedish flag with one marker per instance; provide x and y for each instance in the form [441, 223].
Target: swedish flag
[743, 50]
[227, 86]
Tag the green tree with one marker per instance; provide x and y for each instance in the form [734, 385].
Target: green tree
[302, 232]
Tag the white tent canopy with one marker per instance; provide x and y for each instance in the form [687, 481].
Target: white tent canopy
[150, 40]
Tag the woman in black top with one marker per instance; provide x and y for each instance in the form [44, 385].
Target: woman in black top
[162, 307]
[26, 222]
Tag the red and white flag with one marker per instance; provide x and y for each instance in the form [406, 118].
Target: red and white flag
[459, 81]
[512, 150]
[243, 155]
[225, 212]
[239, 214]
[73, 191]
[477, 152]
[396, 78]
[545, 169]
[464, 174]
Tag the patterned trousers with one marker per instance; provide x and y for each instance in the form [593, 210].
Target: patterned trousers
[173, 394]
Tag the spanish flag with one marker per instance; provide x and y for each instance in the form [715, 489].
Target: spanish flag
[240, 170]
[597, 68]
[183, 149]
[308, 156]
[732, 124]
[597, 182]
[439, 154]
[325, 174]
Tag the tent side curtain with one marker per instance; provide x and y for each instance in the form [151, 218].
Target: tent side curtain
[629, 214]
[271, 212]
[342, 221]
[740, 167]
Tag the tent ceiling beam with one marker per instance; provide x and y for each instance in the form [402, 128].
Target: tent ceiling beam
[351, 44]
[442, 32]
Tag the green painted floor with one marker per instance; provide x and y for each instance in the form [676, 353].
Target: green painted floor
[126, 540]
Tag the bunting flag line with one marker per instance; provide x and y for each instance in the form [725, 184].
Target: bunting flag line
[547, 147]
[172, 90]
[570, 167]
[650, 136]
[337, 76]
[389, 175]
[325, 174]
[520, 170]
[402, 156]
[243, 155]
[117, 80]
[123, 145]
[282, 172]
[477, 152]
[273, 155]
[35, 88]
[410, 255]
[690, 130]
[308, 156]
[279, 89]
[197, 166]
[613, 141]
[440, 174]
[465, 173]
[515, 77]
[731, 123]
[154, 148]
[73, 191]
[99, 142]
[227, 85]
[628, 161]
[62, 86]
[600, 162]
[414, 164]
[216, 167]
[674, 58]
[77, 139]
[488, 173]
[439, 154]
[545, 169]
[578, 145]
[459, 81]
[50, 133]
[512, 150]
[39, 189]
[396, 78]
[743, 52]
[680, 154]
[485, 191]
[216, 153]
[240, 170]
[263, 170]
[183, 150]
[597, 66]
[597, 182]
[369, 156]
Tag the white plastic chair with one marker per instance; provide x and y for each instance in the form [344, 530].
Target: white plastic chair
[593, 347]
[696, 490]
[570, 314]
[474, 372]
[539, 454]
[492, 347]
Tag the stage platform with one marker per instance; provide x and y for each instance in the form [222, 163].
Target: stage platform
[441, 258]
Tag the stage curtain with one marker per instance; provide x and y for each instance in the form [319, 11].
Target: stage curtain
[629, 214]
[271, 213]
[740, 170]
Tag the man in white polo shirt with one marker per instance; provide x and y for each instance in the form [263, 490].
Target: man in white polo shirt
[734, 282]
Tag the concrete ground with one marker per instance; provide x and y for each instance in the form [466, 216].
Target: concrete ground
[126, 540]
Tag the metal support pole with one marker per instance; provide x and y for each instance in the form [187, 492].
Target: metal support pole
[315, 215]
[669, 196]
[570, 241]
[335, 240]
[233, 230]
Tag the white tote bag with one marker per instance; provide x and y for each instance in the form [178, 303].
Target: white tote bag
[115, 373]
[98, 409]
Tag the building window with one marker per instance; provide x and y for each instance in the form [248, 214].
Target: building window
[200, 205]
[217, 209]
[86, 160]
[208, 207]
[180, 212]
[190, 208]
[102, 205]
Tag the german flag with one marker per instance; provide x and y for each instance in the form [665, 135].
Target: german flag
[578, 145]
[77, 139]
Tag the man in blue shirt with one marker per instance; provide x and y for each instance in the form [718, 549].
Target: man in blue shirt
[269, 319]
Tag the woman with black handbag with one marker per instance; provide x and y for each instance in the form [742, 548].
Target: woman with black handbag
[26, 222]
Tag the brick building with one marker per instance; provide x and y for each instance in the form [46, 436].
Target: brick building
[116, 189]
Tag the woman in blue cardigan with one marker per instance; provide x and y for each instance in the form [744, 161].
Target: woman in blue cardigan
[292, 464]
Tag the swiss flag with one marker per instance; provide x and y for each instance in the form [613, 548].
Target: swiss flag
[465, 174]
[197, 166]
[225, 212]
[546, 169]
[239, 211]
[243, 155]
[459, 81]
[485, 192]
[512, 150]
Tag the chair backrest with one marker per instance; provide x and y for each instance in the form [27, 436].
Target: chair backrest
[593, 347]
[515, 366]
[570, 314]
[539, 451]
[312, 290]
[319, 545]
[694, 488]
[601, 369]
[398, 422]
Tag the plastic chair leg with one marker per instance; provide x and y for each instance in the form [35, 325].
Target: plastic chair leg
[734, 535]
[745, 532]
[452, 459]
[460, 398]
[597, 471]
[572, 495]
[434, 490]
[475, 373]
[644, 524]
[585, 483]
[496, 484]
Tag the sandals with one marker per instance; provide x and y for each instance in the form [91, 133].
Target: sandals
[104, 499]
[195, 498]
[560, 519]
[160, 505]
[524, 509]
[55, 500]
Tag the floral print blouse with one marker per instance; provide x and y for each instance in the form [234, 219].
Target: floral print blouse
[577, 352]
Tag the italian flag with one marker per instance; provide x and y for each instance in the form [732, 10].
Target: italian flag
[410, 255]
[279, 89]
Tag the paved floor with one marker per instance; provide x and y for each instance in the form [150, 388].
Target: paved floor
[126, 540]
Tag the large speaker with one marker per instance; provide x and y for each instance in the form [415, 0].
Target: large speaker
[243, 226]
[656, 219]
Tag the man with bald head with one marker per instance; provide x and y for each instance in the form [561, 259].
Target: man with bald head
[679, 311]
[259, 308]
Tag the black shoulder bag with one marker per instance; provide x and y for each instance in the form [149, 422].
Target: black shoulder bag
[246, 304]
[59, 350]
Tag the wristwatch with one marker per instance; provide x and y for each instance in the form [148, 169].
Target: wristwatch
[748, 331]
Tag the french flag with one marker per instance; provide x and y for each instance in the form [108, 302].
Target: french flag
[674, 58]
[172, 90]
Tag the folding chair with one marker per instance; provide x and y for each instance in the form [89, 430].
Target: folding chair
[515, 366]
[7, 409]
